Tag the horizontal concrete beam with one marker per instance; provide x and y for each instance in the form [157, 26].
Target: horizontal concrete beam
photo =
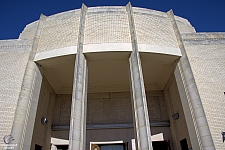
[112, 126]
[108, 47]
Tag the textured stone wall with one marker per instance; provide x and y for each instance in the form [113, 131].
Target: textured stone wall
[178, 127]
[14, 56]
[206, 53]
[60, 30]
[107, 26]
[185, 28]
[154, 30]
[107, 108]
[62, 110]
[29, 31]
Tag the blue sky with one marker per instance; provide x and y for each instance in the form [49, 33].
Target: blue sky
[204, 15]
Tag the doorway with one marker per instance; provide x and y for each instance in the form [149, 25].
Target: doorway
[120, 146]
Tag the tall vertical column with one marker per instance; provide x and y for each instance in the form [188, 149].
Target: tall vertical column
[199, 125]
[22, 129]
[139, 104]
[77, 137]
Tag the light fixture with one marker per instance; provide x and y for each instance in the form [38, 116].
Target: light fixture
[175, 116]
[44, 121]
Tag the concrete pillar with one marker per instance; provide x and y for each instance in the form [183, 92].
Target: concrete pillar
[22, 129]
[79, 103]
[77, 135]
[197, 124]
[139, 104]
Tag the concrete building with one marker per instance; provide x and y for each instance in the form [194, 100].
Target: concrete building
[112, 77]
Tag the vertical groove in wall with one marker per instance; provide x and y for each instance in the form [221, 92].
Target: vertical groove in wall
[190, 87]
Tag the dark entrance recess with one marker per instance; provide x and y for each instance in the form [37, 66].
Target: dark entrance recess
[183, 144]
[37, 147]
[62, 147]
[161, 145]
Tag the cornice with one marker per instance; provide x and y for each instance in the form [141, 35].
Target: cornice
[14, 46]
[204, 38]
[17, 44]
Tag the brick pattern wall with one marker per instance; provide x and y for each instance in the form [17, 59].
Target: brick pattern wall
[107, 27]
[13, 62]
[207, 62]
[110, 108]
[62, 110]
[184, 28]
[59, 31]
[154, 30]
[29, 31]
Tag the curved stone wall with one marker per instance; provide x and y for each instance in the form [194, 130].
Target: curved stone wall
[154, 30]
[106, 25]
[60, 31]
[29, 31]
[184, 28]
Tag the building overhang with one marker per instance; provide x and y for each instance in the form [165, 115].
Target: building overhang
[108, 66]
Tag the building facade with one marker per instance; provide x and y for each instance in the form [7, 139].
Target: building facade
[112, 77]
